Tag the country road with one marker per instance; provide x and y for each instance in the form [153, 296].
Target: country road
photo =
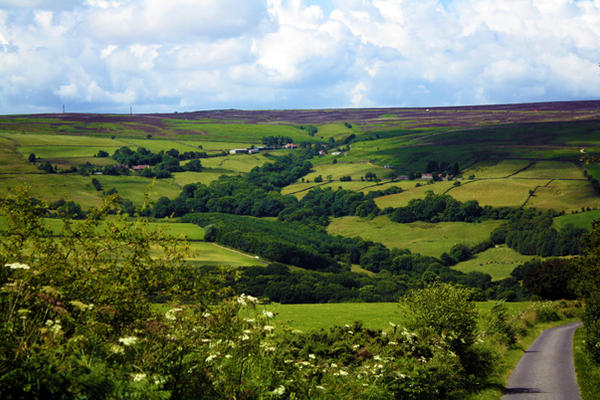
[546, 371]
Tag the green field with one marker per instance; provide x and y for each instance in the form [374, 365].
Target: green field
[236, 132]
[205, 253]
[552, 170]
[499, 262]
[580, 220]
[354, 170]
[235, 163]
[53, 187]
[419, 237]
[565, 195]
[402, 199]
[496, 192]
[307, 317]
[495, 168]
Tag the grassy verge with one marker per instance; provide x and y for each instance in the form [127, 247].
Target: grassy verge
[588, 372]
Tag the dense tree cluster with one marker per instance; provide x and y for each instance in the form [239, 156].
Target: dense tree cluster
[276, 141]
[437, 208]
[534, 235]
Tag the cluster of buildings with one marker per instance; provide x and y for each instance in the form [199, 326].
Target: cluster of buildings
[254, 150]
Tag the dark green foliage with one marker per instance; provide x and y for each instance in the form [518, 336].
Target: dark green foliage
[101, 154]
[534, 235]
[437, 208]
[47, 167]
[115, 170]
[279, 284]
[32, 158]
[318, 179]
[194, 165]
[290, 243]
[591, 320]
[345, 178]
[551, 279]
[97, 185]
[276, 141]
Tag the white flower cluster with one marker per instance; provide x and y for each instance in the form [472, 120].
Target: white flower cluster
[170, 315]
[128, 340]
[17, 265]
[246, 299]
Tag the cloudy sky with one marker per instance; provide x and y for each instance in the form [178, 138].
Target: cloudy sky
[184, 55]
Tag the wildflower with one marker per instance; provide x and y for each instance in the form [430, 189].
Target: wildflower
[17, 265]
[116, 349]
[247, 331]
[244, 299]
[128, 340]
[377, 358]
[312, 356]
[333, 365]
[268, 328]
[356, 346]
[138, 377]
[170, 315]
[205, 340]
[249, 320]
[205, 315]
[343, 373]
[392, 343]
[244, 337]
[227, 356]
[393, 325]
[23, 312]
[278, 391]
[81, 306]
[268, 314]
[211, 357]
[320, 387]
[54, 326]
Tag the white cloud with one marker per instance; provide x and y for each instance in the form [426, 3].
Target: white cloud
[100, 55]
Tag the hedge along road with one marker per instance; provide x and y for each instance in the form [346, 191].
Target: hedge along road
[546, 369]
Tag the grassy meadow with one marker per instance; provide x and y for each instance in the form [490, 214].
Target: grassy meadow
[498, 261]
[580, 220]
[307, 317]
[419, 237]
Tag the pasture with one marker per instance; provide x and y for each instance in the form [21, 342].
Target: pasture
[306, 317]
[565, 195]
[495, 168]
[580, 220]
[353, 170]
[419, 237]
[496, 192]
[498, 261]
[416, 192]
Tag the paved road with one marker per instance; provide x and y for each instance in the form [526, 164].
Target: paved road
[546, 372]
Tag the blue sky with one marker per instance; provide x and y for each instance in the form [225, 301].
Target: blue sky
[184, 55]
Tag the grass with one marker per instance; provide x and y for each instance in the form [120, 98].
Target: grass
[11, 161]
[205, 253]
[308, 317]
[402, 199]
[419, 237]
[552, 170]
[565, 195]
[205, 177]
[496, 192]
[235, 163]
[499, 262]
[354, 170]
[495, 168]
[53, 187]
[236, 132]
[580, 220]
[588, 372]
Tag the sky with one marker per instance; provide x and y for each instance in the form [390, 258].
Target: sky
[187, 55]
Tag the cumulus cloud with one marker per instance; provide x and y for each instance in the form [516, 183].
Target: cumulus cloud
[103, 55]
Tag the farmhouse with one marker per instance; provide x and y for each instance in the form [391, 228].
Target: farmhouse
[336, 153]
[238, 151]
[426, 176]
[291, 146]
[140, 167]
